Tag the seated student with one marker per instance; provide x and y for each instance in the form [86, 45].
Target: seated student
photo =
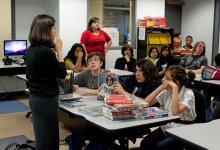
[146, 80]
[127, 62]
[89, 79]
[75, 59]
[188, 41]
[196, 61]
[211, 91]
[153, 55]
[174, 97]
[166, 59]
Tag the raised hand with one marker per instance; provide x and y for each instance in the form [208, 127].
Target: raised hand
[59, 44]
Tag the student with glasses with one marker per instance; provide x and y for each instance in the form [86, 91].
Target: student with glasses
[89, 79]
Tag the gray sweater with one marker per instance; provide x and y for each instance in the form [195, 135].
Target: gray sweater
[85, 79]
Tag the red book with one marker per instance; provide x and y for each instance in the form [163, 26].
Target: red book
[118, 99]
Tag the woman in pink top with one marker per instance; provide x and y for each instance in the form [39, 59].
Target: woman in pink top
[95, 40]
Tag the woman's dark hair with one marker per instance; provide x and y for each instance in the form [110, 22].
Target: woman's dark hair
[92, 20]
[71, 54]
[40, 33]
[162, 60]
[126, 46]
[195, 46]
[151, 49]
[217, 60]
[150, 72]
[178, 72]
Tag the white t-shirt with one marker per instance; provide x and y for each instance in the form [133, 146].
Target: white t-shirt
[186, 97]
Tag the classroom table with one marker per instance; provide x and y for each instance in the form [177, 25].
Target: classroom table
[199, 79]
[198, 136]
[122, 129]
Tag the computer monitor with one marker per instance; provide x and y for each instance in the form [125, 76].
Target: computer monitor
[15, 48]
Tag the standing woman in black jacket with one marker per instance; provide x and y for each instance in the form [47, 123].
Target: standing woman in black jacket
[45, 64]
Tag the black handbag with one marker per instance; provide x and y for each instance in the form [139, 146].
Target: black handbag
[25, 146]
[20, 142]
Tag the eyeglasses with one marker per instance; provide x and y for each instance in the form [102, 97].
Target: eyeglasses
[95, 59]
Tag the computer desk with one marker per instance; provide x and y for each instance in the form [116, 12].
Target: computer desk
[8, 80]
[14, 69]
[198, 136]
[22, 77]
[122, 129]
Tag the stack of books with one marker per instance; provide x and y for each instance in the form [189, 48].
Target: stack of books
[120, 107]
[151, 112]
[92, 110]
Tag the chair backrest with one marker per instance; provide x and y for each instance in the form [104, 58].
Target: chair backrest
[200, 107]
[215, 106]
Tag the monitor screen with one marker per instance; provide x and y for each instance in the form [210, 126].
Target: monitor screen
[15, 47]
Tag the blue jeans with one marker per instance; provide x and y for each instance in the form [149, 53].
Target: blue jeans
[77, 140]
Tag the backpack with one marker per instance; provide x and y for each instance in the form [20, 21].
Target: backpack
[211, 72]
[20, 142]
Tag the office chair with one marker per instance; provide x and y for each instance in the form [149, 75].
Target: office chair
[200, 107]
[215, 106]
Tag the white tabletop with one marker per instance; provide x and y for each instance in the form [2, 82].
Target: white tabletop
[205, 135]
[199, 79]
[110, 125]
[13, 65]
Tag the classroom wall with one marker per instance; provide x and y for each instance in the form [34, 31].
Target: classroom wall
[52, 8]
[5, 24]
[173, 15]
[96, 7]
[150, 8]
[197, 18]
[66, 13]
[73, 21]
[197, 21]
[25, 11]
